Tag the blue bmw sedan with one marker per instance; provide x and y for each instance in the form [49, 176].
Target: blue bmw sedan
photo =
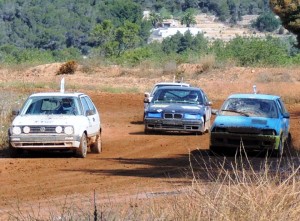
[182, 109]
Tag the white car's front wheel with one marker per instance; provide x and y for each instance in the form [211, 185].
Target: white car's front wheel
[82, 150]
[97, 146]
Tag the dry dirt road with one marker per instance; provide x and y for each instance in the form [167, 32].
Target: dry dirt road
[130, 163]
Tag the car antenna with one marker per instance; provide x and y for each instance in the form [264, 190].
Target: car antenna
[254, 89]
[62, 85]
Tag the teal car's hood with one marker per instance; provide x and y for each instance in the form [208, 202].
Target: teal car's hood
[243, 121]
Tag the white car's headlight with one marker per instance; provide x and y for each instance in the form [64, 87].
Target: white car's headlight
[16, 130]
[26, 129]
[69, 130]
[58, 129]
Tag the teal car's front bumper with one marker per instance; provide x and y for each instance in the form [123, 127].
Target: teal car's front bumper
[248, 141]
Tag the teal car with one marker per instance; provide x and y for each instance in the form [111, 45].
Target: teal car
[252, 121]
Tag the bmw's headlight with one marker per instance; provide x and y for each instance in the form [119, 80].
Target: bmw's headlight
[26, 129]
[16, 130]
[154, 115]
[58, 129]
[69, 130]
[192, 116]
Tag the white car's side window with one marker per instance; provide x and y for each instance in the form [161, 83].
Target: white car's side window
[91, 105]
[84, 104]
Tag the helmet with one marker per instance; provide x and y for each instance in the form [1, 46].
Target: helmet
[66, 103]
[193, 96]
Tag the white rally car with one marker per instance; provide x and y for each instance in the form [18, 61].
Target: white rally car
[56, 121]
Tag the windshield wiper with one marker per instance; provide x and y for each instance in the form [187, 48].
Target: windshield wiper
[239, 112]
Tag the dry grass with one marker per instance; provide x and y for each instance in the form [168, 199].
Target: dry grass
[8, 102]
[221, 188]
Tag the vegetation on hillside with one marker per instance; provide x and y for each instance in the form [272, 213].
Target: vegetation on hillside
[115, 32]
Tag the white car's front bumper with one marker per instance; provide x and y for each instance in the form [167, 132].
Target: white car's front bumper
[50, 141]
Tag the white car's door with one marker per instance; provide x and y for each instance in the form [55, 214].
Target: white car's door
[92, 115]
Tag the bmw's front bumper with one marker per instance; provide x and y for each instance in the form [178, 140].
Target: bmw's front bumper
[174, 125]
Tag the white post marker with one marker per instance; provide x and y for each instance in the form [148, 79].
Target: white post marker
[254, 89]
[62, 85]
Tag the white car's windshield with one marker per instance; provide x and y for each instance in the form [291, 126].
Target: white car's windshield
[51, 105]
[250, 107]
[178, 96]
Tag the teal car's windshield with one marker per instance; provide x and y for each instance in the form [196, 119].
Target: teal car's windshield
[51, 105]
[179, 95]
[250, 107]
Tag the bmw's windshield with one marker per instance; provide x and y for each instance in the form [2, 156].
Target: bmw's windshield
[51, 105]
[180, 95]
[249, 107]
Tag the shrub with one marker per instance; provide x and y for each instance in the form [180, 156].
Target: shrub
[67, 68]
[266, 22]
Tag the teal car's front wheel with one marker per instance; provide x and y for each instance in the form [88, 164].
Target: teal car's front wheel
[280, 147]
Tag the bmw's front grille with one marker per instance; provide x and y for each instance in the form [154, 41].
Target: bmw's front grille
[172, 116]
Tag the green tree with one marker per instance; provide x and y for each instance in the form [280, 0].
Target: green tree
[186, 42]
[200, 43]
[266, 22]
[289, 13]
[171, 44]
[189, 17]
[102, 33]
[223, 11]
[127, 37]
[156, 19]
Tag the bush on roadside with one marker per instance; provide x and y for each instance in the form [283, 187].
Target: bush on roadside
[67, 68]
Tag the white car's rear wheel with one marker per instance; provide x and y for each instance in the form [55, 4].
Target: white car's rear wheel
[82, 150]
[97, 146]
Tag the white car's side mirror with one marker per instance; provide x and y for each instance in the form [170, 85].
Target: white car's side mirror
[15, 112]
[146, 97]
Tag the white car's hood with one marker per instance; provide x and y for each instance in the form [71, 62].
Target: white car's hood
[46, 120]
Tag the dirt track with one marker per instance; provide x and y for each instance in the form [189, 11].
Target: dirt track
[130, 163]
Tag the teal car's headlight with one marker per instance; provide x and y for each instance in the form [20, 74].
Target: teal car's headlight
[154, 115]
[192, 116]
[269, 132]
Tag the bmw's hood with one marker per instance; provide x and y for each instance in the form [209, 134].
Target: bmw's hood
[243, 121]
[22, 120]
[176, 108]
